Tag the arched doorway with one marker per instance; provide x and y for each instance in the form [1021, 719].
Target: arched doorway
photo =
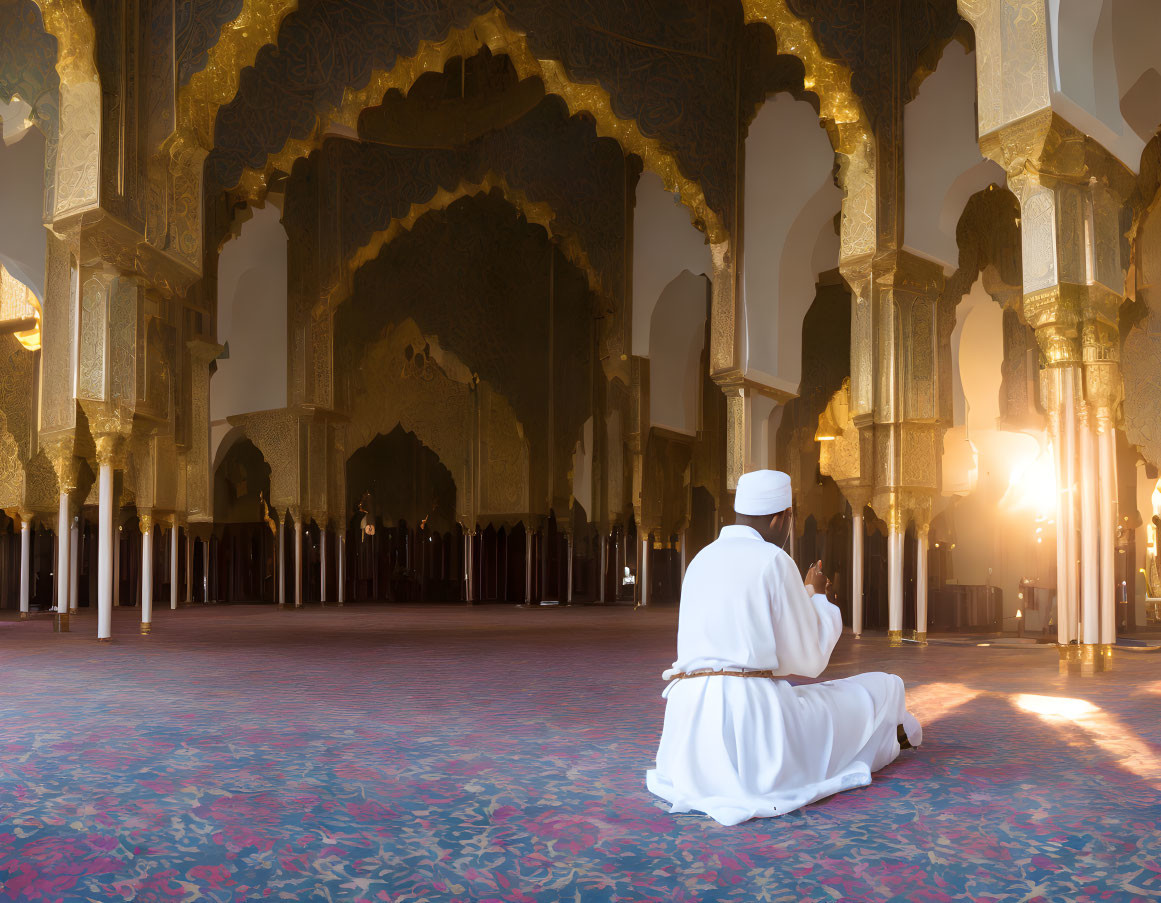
[406, 545]
[245, 541]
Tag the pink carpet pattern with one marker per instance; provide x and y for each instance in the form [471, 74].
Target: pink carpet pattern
[381, 753]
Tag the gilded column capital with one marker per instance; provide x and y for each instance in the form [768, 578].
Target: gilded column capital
[296, 513]
[64, 462]
[110, 449]
[145, 521]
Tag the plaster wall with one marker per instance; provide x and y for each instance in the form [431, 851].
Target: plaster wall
[252, 319]
[665, 243]
[942, 163]
[22, 234]
[790, 204]
[676, 340]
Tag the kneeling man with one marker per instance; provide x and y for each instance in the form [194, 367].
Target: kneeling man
[740, 742]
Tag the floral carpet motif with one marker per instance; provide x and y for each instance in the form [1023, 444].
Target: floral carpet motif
[492, 754]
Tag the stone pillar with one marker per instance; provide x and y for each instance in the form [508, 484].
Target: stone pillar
[205, 571]
[116, 558]
[895, 533]
[60, 453]
[105, 543]
[341, 571]
[322, 562]
[63, 540]
[25, 564]
[1089, 540]
[280, 568]
[1066, 510]
[74, 565]
[643, 573]
[921, 546]
[468, 550]
[857, 572]
[146, 522]
[296, 515]
[1107, 472]
[173, 564]
[684, 554]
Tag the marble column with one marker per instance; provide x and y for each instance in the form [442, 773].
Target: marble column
[74, 564]
[921, 545]
[895, 579]
[280, 566]
[1070, 611]
[322, 563]
[25, 553]
[205, 571]
[643, 573]
[1090, 574]
[63, 578]
[468, 544]
[857, 572]
[684, 553]
[146, 522]
[116, 559]
[105, 545]
[173, 564]
[297, 516]
[1106, 456]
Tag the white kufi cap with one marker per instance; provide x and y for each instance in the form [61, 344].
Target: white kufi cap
[763, 492]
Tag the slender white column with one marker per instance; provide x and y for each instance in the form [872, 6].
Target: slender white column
[1106, 451]
[297, 515]
[105, 552]
[1090, 567]
[173, 565]
[25, 536]
[1064, 626]
[527, 566]
[921, 583]
[280, 566]
[146, 572]
[857, 572]
[322, 563]
[63, 540]
[1070, 611]
[74, 564]
[895, 582]
[468, 567]
[205, 571]
[341, 588]
[684, 553]
[116, 561]
[643, 573]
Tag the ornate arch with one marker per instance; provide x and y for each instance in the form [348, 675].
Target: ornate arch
[841, 112]
[539, 213]
[492, 30]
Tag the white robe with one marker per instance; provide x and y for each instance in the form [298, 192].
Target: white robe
[741, 747]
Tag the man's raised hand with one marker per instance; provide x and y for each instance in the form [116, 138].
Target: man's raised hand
[816, 579]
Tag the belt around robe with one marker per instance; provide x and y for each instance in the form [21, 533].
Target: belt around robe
[707, 672]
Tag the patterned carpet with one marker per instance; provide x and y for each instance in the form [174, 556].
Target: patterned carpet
[494, 754]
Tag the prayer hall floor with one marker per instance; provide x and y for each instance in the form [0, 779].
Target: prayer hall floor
[497, 754]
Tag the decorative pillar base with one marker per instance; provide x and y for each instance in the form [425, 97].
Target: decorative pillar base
[282, 606]
[1105, 657]
[146, 627]
[895, 637]
[921, 637]
[104, 639]
[24, 615]
[61, 622]
[1069, 658]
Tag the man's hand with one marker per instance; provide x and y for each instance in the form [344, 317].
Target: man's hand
[816, 579]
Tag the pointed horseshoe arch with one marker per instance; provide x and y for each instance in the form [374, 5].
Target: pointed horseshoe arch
[536, 212]
[492, 31]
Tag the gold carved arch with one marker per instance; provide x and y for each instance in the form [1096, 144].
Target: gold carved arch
[76, 41]
[537, 212]
[492, 31]
[841, 113]
[199, 99]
